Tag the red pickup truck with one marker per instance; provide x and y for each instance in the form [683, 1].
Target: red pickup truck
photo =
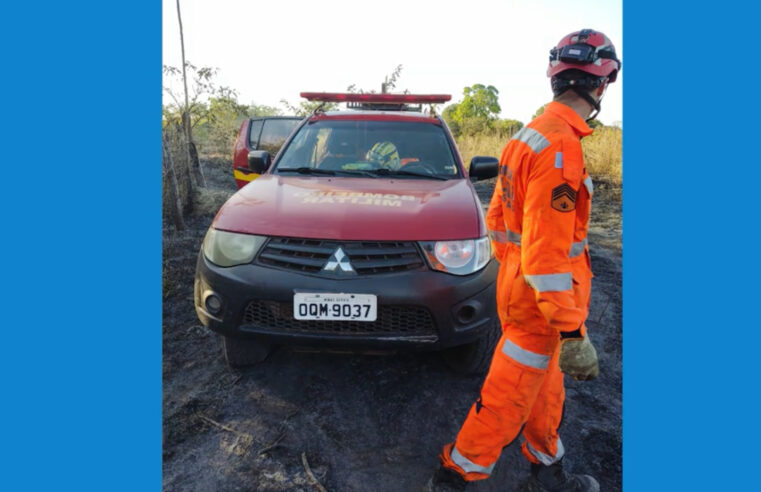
[364, 233]
[264, 133]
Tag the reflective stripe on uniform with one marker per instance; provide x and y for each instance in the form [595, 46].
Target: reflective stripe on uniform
[514, 237]
[532, 138]
[467, 465]
[589, 185]
[550, 282]
[559, 160]
[498, 236]
[547, 460]
[525, 357]
[577, 248]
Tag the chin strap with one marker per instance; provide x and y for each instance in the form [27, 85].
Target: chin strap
[581, 87]
[591, 100]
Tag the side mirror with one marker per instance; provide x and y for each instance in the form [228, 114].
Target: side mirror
[483, 167]
[259, 161]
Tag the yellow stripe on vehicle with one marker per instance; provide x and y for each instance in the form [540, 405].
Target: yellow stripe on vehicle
[244, 176]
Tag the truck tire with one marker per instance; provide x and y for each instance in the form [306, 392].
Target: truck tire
[241, 352]
[474, 357]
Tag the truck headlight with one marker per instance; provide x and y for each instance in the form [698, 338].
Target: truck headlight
[461, 257]
[227, 249]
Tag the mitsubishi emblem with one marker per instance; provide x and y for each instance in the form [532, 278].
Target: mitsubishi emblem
[338, 260]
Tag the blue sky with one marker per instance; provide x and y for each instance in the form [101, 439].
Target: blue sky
[270, 51]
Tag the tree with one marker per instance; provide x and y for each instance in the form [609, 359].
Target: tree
[305, 108]
[390, 80]
[480, 102]
[507, 127]
[186, 121]
[449, 116]
[223, 119]
[203, 86]
[538, 112]
[476, 113]
[254, 110]
[171, 195]
[592, 124]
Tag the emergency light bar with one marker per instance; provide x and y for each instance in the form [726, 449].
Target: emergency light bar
[376, 98]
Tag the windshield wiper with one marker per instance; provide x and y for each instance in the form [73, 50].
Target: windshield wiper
[307, 170]
[401, 172]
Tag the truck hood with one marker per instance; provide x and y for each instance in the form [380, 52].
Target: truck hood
[360, 209]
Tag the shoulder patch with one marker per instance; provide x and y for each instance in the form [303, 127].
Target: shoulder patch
[563, 198]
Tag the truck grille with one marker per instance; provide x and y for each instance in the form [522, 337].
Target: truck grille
[391, 320]
[365, 257]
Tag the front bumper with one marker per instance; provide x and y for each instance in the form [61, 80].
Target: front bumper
[418, 310]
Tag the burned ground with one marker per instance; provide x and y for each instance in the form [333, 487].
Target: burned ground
[363, 423]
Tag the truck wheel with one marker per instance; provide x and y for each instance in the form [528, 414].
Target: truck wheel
[474, 357]
[241, 352]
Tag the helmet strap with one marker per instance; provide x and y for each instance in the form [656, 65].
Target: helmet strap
[591, 100]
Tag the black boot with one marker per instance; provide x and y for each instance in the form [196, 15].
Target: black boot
[445, 480]
[554, 479]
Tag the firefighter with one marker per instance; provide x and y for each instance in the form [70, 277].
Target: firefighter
[538, 220]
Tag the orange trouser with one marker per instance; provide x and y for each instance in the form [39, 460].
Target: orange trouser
[524, 386]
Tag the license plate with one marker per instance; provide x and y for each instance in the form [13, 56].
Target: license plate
[335, 307]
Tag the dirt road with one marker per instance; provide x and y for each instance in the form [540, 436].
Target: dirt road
[364, 423]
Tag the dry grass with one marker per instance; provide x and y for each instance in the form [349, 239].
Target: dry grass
[602, 151]
[481, 144]
[208, 202]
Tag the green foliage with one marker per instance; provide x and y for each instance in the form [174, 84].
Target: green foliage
[214, 110]
[480, 102]
[449, 116]
[201, 86]
[538, 112]
[595, 123]
[257, 110]
[507, 127]
[223, 119]
[477, 113]
[592, 124]
[305, 108]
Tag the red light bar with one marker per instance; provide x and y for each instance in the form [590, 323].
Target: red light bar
[376, 98]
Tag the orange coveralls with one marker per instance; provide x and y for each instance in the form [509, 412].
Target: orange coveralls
[538, 220]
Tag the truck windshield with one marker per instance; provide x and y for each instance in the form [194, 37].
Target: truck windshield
[411, 150]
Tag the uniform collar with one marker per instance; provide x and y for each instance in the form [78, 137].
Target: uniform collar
[569, 116]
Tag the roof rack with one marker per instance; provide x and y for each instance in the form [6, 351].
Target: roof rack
[378, 102]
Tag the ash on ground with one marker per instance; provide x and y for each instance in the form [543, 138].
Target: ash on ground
[363, 423]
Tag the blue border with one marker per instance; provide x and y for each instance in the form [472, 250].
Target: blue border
[690, 246]
[80, 355]
[81, 349]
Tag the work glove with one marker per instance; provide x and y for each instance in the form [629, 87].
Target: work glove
[578, 359]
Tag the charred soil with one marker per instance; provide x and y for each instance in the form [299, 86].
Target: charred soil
[358, 422]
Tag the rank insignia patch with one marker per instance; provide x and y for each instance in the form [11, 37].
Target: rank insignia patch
[563, 198]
